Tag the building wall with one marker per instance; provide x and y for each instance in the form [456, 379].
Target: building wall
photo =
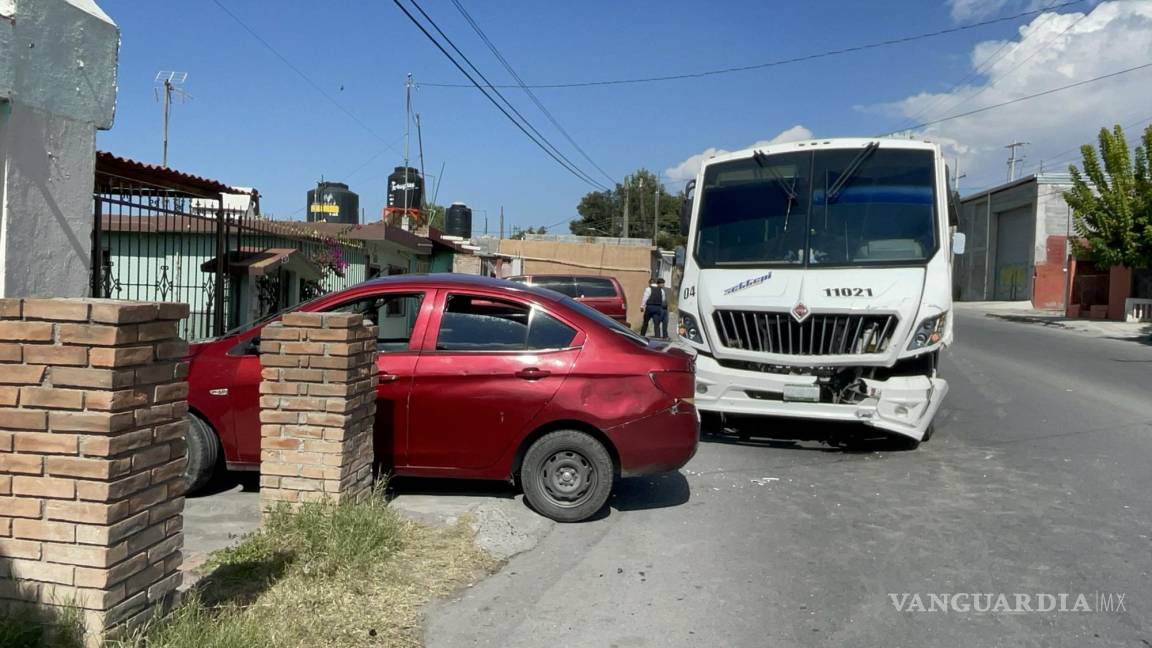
[630, 264]
[57, 86]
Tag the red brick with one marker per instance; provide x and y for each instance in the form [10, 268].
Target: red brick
[116, 357]
[165, 510]
[115, 401]
[172, 311]
[279, 389]
[109, 446]
[95, 334]
[280, 444]
[154, 331]
[276, 360]
[11, 352]
[22, 375]
[303, 320]
[171, 431]
[104, 491]
[5, 484]
[44, 530]
[22, 463]
[10, 307]
[12, 548]
[50, 487]
[26, 331]
[65, 356]
[20, 507]
[331, 335]
[303, 375]
[86, 468]
[277, 332]
[96, 577]
[99, 422]
[45, 442]
[156, 373]
[124, 312]
[153, 414]
[331, 362]
[171, 470]
[52, 398]
[85, 556]
[144, 499]
[165, 547]
[297, 403]
[92, 378]
[273, 416]
[150, 457]
[172, 350]
[86, 512]
[19, 419]
[343, 320]
[66, 310]
[301, 348]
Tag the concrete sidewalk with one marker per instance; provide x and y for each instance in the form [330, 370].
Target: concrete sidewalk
[1023, 313]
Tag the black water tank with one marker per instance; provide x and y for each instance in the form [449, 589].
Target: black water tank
[334, 203]
[458, 221]
[405, 189]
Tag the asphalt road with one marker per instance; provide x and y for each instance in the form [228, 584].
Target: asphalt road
[1037, 482]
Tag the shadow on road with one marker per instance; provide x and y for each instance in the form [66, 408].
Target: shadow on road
[653, 492]
[1144, 336]
[226, 480]
[457, 487]
[804, 434]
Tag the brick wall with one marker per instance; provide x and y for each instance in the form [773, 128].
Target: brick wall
[92, 400]
[317, 408]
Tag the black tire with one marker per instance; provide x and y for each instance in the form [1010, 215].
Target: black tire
[711, 423]
[203, 454]
[567, 476]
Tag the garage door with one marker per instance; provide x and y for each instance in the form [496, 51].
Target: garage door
[1013, 254]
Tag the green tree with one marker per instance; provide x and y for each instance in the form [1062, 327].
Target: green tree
[1112, 201]
[602, 212]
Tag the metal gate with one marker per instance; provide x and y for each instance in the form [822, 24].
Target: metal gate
[1013, 254]
[162, 235]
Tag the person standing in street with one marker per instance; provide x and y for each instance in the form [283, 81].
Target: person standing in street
[655, 305]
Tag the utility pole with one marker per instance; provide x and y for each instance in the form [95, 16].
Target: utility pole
[627, 184]
[640, 202]
[655, 214]
[407, 136]
[1013, 160]
[170, 83]
[956, 175]
[501, 221]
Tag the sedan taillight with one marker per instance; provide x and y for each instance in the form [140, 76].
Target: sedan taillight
[677, 384]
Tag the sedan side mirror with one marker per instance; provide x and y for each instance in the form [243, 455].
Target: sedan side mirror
[958, 243]
[686, 208]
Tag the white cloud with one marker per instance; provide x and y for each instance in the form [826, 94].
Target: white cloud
[972, 10]
[687, 169]
[1053, 50]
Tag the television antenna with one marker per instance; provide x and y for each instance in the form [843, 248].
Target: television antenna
[169, 85]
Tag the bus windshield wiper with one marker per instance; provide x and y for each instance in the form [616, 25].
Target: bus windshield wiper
[758, 157]
[849, 171]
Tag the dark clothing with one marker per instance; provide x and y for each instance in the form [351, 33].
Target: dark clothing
[656, 297]
[652, 313]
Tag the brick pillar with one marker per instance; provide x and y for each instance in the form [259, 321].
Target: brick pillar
[92, 400]
[317, 408]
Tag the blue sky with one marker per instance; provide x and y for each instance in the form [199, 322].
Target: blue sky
[252, 121]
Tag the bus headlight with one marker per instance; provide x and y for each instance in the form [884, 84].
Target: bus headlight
[689, 329]
[930, 331]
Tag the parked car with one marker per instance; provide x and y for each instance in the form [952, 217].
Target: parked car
[602, 293]
[487, 379]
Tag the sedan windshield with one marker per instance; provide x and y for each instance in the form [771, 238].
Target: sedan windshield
[833, 207]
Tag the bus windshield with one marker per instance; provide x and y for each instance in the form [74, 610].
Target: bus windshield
[827, 208]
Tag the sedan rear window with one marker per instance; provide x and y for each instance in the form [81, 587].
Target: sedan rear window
[472, 323]
[596, 287]
[563, 285]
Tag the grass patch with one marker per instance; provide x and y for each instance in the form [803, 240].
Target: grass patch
[42, 627]
[328, 575]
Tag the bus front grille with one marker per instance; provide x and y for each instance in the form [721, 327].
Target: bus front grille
[818, 334]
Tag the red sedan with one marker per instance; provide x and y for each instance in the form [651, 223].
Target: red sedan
[480, 379]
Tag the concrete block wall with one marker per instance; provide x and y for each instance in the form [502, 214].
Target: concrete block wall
[92, 403]
[317, 408]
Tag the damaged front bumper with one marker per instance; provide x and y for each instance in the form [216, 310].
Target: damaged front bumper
[903, 405]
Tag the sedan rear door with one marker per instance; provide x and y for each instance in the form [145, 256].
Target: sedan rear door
[491, 366]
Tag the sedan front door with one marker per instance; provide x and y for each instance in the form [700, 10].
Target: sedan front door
[495, 365]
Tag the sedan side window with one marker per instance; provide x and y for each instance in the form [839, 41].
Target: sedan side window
[395, 315]
[473, 323]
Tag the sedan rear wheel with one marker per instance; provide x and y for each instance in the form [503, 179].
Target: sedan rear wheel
[203, 454]
[567, 476]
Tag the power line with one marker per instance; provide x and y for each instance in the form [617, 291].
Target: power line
[307, 79]
[532, 95]
[558, 157]
[778, 62]
[1059, 159]
[1027, 97]
[1019, 64]
[983, 68]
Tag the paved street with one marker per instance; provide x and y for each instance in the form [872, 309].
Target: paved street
[1037, 481]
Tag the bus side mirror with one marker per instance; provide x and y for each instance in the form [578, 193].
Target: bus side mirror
[686, 208]
[678, 257]
[958, 243]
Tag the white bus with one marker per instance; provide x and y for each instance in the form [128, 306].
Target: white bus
[818, 283]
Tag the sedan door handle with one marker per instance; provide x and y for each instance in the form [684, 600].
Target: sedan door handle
[533, 373]
[387, 377]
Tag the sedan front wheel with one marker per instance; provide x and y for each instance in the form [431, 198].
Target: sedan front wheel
[567, 476]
